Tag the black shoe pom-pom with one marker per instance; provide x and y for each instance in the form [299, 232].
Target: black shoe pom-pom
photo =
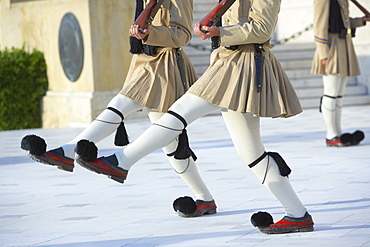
[185, 205]
[261, 219]
[86, 150]
[34, 144]
[352, 139]
[358, 136]
[346, 139]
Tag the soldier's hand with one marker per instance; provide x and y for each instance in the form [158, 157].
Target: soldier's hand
[365, 19]
[137, 32]
[324, 62]
[209, 31]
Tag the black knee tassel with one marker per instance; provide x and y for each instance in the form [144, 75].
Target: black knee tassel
[282, 165]
[121, 137]
[183, 150]
[284, 169]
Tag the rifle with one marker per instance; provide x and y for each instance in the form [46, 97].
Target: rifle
[215, 15]
[367, 13]
[147, 15]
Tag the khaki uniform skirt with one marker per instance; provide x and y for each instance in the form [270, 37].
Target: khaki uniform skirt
[155, 81]
[230, 83]
[342, 58]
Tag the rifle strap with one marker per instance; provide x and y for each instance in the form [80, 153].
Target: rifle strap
[181, 66]
[219, 23]
[215, 40]
[136, 46]
[156, 8]
[258, 60]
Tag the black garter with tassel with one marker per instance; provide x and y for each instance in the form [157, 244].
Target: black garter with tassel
[215, 40]
[284, 169]
[121, 137]
[183, 150]
[283, 166]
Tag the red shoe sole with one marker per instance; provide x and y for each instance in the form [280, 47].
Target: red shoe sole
[108, 171]
[50, 159]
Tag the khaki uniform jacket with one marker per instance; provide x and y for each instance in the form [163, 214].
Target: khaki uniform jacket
[230, 80]
[155, 81]
[339, 52]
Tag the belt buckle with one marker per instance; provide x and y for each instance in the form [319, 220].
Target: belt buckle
[232, 47]
[150, 50]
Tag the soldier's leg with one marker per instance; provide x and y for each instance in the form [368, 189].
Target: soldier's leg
[104, 125]
[339, 103]
[170, 126]
[329, 109]
[272, 171]
[244, 130]
[186, 168]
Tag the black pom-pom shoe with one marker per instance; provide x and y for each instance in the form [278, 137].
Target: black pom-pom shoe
[186, 207]
[36, 148]
[264, 222]
[86, 153]
[352, 139]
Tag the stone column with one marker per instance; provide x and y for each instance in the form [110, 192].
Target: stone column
[4, 4]
[104, 26]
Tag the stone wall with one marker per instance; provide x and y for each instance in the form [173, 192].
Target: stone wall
[104, 26]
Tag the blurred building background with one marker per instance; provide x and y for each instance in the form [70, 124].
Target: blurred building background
[86, 43]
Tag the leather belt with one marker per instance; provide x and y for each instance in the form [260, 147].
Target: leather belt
[258, 60]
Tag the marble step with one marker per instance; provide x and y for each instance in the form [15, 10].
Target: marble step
[348, 100]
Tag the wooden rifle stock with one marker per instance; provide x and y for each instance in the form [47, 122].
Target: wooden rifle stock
[215, 15]
[367, 13]
[147, 14]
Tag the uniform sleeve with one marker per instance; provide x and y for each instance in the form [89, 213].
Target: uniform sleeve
[178, 33]
[263, 17]
[356, 22]
[321, 27]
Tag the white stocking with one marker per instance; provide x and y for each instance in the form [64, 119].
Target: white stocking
[165, 130]
[339, 103]
[186, 169]
[246, 139]
[244, 130]
[279, 186]
[105, 124]
[328, 107]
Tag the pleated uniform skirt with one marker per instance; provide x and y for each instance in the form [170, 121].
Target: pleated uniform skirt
[230, 83]
[342, 59]
[155, 81]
